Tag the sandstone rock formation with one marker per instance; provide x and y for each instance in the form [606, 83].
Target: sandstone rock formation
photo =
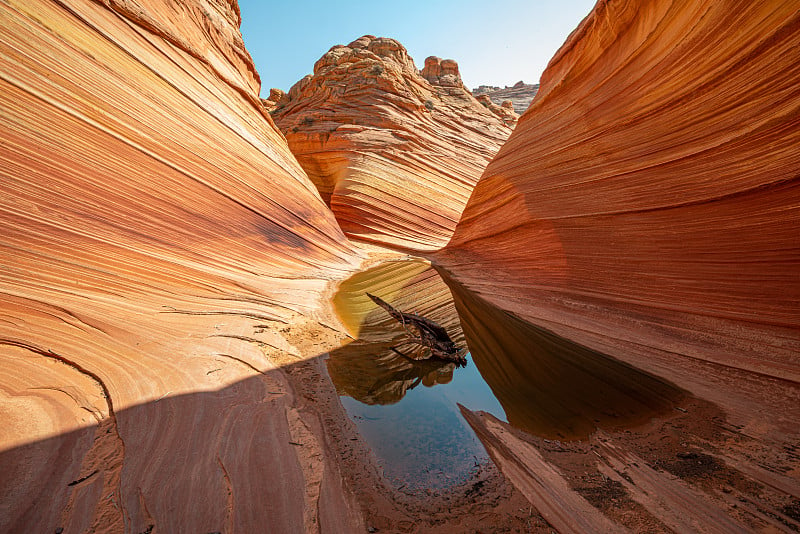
[156, 235]
[647, 207]
[505, 111]
[275, 95]
[647, 204]
[442, 72]
[520, 95]
[164, 260]
[394, 152]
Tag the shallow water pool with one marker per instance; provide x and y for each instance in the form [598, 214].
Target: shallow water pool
[407, 410]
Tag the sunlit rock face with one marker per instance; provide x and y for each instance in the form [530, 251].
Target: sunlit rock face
[275, 95]
[155, 230]
[648, 201]
[395, 152]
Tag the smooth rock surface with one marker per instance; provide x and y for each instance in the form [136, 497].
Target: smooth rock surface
[157, 235]
[647, 207]
[394, 152]
[647, 204]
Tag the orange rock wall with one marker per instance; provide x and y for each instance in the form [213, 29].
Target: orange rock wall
[156, 234]
[396, 155]
[649, 197]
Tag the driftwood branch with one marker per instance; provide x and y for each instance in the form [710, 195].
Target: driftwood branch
[424, 332]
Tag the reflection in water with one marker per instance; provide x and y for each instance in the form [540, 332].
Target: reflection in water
[414, 428]
[367, 369]
[373, 374]
[544, 384]
[422, 441]
[550, 386]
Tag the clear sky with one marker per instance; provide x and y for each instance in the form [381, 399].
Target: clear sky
[493, 45]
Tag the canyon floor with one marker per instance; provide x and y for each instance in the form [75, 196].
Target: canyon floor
[685, 468]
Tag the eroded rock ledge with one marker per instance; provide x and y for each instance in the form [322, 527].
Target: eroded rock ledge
[394, 152]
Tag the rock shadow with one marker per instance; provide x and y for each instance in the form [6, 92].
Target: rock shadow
[550, 386]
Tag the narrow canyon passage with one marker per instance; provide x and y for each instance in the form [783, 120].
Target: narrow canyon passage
[186, 340]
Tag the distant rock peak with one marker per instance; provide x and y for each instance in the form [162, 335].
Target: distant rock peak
[358, 126]
[275, 95]
[367, 47]
[442, 72]
[520, 95]
[505, 111]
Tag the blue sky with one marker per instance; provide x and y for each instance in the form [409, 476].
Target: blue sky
[493, 45]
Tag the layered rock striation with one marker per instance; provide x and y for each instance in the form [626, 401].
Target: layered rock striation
[646, 207]
[157, 234]
[394, 151]
[163, 253]
[518, 95]
[647, 204]
[505, 110]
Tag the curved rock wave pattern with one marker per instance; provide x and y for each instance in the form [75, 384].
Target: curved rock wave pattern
[156, 234]
[650, 195]
[394, 151]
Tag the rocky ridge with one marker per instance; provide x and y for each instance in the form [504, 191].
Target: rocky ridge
[505, 110]
[520, 95]
[394, 151]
